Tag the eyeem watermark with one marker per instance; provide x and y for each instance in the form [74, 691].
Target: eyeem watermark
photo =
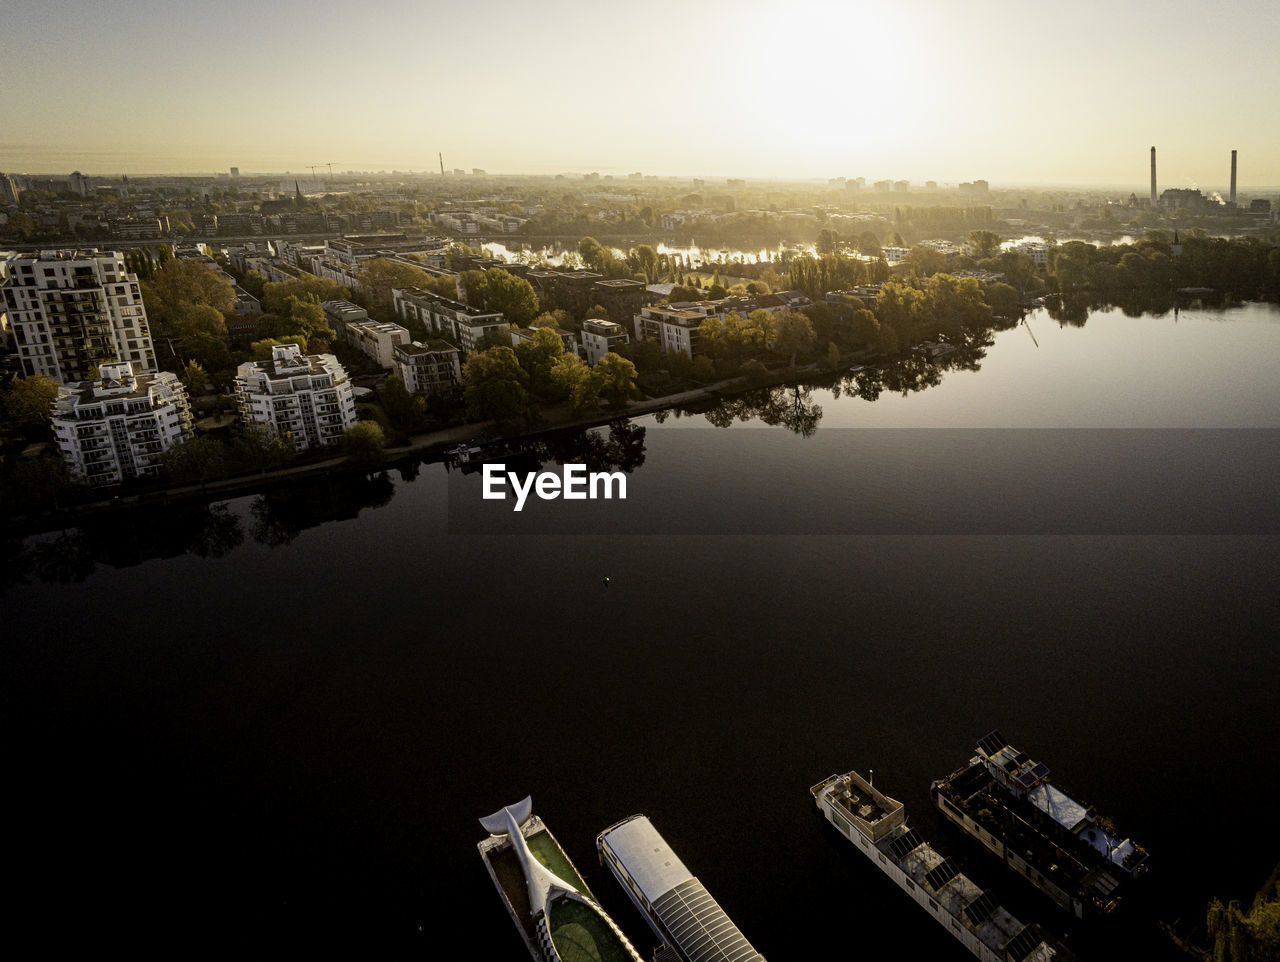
[573, 484]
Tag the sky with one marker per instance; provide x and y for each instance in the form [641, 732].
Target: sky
[1014, 93]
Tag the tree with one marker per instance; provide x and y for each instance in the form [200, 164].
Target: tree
[401, 406]
[792, 333]
[496, 385]
[378, 275]
[28, 403]
[195, 379]
[275, 295]
[362, 443]
[195, 459]
[512, 296]
[578, 382]
[618, 378]
[537, 356]
[647, 258]
[985, 243]
[188, 319]
[181, 282]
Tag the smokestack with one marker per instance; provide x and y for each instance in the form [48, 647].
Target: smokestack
[1153, 177]
[1233, 178]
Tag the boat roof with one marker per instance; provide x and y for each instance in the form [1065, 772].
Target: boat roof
[1058, 805]
[654, 867]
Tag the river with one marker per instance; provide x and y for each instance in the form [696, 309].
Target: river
[270, 729]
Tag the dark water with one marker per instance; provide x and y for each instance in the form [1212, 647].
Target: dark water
[281, 746]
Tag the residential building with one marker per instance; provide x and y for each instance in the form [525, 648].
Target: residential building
[72, 311]
[306, 397]
[568, 338]
[622, 298]
[375, 339]
[433, 367]
[341, 313]
[674, 327]
[599, 337]
[1037, 251]
[116, 427]
[465, 324]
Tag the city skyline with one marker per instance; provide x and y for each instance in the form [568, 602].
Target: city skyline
[923, 91]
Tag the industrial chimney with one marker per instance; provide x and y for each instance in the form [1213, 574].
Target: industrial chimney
[1153, 177]
[1233, 178]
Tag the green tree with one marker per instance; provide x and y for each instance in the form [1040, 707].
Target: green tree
[187, 319]
[792, 333]
[618, 378]
[379, 275]
[195, 459]
[181, 282]
[512, 296]
[537, 356]
[196, 380]
[985, 243]
[578, 382]
[362, 443]
[647, 258]
[276, 294]
[28, 404]
[496, 386]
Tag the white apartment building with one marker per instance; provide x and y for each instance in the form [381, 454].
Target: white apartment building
[675, 328]
[1036, 250]
[465, 324]
[117, 427]
[376, 339]
[71, 311]
[599, 337]
[430, 368]
[307, 397]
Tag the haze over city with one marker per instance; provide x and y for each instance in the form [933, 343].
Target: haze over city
[916, 90]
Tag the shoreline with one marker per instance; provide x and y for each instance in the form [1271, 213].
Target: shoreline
[420, 446]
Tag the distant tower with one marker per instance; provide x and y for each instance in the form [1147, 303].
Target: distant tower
[1153, 177]
[441, 164]
[1233, 178]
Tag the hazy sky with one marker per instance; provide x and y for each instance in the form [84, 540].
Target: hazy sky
[1067, 92]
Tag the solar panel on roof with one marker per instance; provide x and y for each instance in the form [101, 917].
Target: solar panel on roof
[992, 742]
[980, 908]
[1027, 779]
[901, 846]
[941, 874]
[1022, 945]
[1041, 770]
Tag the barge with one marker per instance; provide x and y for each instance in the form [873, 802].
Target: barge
[875, 825]
[1006, 802]
[556, 914]
[680, 910]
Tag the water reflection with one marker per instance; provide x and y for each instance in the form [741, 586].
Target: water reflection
[127, 538]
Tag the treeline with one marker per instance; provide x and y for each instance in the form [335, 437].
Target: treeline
[1239, 268]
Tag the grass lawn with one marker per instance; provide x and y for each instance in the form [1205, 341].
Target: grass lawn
[580, 935]
[546, 851]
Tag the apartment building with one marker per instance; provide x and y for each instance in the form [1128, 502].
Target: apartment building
[307, 397]
[72, 311]
[433, 367]
[116, 427]
[465, 324]
[599, 337]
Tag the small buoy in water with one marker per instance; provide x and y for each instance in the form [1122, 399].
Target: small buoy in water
[606, 582]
